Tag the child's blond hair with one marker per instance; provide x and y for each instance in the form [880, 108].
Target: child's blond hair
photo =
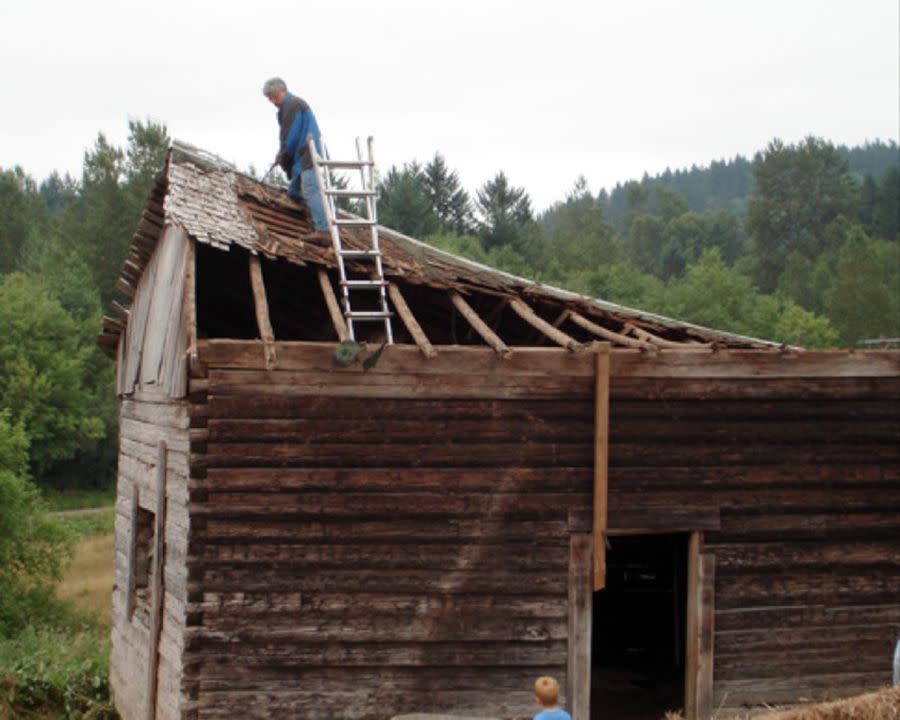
[546, 690]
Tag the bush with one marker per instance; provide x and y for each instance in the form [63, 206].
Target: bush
[57, 673]
[33, 552]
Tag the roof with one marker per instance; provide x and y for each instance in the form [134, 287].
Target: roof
[221, 207]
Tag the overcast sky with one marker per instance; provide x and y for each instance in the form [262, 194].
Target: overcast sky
[545, 91]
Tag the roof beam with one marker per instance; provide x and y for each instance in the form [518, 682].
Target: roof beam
[607, 334]
[412, 325]
[642, 334]
[557, 336]
[261, 305]
[488, 335]
[337, 319]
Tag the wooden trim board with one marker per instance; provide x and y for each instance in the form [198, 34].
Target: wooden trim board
[601, 464]
[581, 601]
[158, 587]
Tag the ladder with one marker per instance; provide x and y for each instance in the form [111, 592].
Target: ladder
[366, 192]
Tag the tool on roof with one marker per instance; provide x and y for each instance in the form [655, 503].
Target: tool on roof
[375, 281]
[268, 172]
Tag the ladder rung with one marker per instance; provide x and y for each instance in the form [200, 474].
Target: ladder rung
[346, 164]
[340, 192]
[364, 283]
[354, 223]
[368, 314]
[360, 253]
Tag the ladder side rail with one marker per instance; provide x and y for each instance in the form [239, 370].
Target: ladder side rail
[373, 216]
[334, 230]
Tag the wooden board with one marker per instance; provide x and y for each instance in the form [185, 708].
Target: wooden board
[601, 465]
[578, 690]
[158, 587]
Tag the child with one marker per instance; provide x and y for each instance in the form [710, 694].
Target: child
[546, 692]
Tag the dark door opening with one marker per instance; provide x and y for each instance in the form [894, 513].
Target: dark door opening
[638, 648]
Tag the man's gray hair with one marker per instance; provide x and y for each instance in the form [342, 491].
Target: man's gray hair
[274, 86]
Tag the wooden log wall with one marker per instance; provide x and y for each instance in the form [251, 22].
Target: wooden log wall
[152, 349]
[370, 543]
[792, 466]
[146, 420]
[396, 540]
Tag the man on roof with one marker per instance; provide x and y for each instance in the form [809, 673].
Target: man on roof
[297, 123]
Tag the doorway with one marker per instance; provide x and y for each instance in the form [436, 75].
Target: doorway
[638, 637]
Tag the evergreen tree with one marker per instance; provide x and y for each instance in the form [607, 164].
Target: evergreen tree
[449, 202]
[24, 218]
[504, 212]
[403, 202]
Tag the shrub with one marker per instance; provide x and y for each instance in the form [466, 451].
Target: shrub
[46, 672]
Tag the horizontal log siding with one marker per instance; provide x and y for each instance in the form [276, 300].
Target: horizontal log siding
[142, 425]
[364, 556]
[807, 491]
[398, 540]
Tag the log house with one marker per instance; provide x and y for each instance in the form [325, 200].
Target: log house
[528, 482]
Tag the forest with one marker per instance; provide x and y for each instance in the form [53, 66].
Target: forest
[799, 244]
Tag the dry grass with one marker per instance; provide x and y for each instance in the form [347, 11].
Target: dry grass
[881, 705]
[88, 582]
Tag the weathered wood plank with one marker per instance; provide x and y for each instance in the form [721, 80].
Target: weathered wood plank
[538, 533]
[355, 604]
[874, 586]
[374, 429]
[788, 689]
[755, 364]
[218, 657]
[444, 480]
[381, 455]
[822, 617]
[460, 582]
[578, 689]
[359, 504]
[285, 384]
[601, 465]
[426, 410]
[452, 359]
[807, 388]
[157, 586]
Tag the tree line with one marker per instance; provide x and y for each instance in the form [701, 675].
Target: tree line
[800, 245]
[794, 246]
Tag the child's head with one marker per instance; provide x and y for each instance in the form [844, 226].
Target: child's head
[546, 691]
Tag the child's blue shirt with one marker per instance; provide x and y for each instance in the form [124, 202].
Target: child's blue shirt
[556, 714]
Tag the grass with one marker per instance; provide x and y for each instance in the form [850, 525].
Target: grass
[61, 500]
[87, 584]
[89, 524]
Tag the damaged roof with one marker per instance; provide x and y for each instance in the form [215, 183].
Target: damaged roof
[221, 207]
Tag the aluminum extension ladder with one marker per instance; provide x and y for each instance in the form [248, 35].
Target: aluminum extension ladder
[366, 192]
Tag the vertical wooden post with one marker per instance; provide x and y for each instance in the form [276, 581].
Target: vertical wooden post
[157, 589]
[698, 672]
[262, 310]
[601, 462]
[190, 300]
[581, 598]
[132, 551]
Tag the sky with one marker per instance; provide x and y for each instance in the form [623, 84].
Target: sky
[544, 91]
